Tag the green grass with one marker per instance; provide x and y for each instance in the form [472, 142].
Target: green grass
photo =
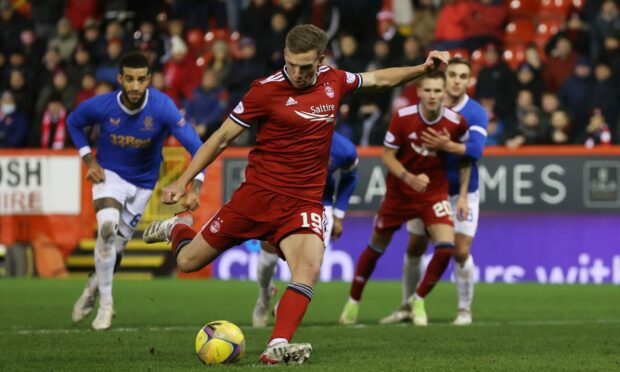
[517, 327]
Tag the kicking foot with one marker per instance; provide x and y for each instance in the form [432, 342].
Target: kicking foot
[402, 314]
[86, 303]
[159, 231]
[463, 318]
[349, 313]
[285, 353]
[260, 315]
[418, 313]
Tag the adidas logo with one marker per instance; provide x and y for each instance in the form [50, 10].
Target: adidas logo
[291, 101]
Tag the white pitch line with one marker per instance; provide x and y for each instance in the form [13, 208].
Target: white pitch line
[358, 326]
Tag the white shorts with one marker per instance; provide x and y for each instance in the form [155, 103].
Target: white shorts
[133, 199]
[467, 227]
[328, 221]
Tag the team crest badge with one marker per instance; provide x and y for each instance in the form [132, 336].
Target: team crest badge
[329, 91]
[115, 122]
[148, 124]
[216, 225]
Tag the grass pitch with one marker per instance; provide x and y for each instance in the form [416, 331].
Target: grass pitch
[517, 327]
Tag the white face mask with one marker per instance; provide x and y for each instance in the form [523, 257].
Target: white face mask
[8, 108]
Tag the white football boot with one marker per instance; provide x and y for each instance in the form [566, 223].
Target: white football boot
[103, 320]
[402, 314]
[159, 231]
[86, 303]
[285, 353]
[463, 318]
[260, 315]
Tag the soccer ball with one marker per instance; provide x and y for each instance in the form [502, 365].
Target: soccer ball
[220, 342]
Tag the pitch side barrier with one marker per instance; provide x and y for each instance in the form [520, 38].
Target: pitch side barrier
[549, 214]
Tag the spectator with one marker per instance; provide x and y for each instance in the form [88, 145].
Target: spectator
[79, 11]
[53, 124]
[607, 22]
[45, 15]
[22, 93]
[560, 127]
[88, 85]
[147, 39]
[207, 107]
[577, 32]
[560, 64]
[65, 41]
[244, 71]
[596, 132]
[576, 92]
[108, 69]
[413, 52]
[180, 72]
[94, 42]
[530, 130]
[349, 57]
[80, 65]
[530, 79]
[11, 26]
[60, 90]
[275, 40]
[255, 21]
[497, 82]
[605, 94]
[13, 123]
[495, 131]
[387, 31]
[424, 21]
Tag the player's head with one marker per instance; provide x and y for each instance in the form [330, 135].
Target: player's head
[431, 90]
[134, 76]
[303, 54]
[458, 75]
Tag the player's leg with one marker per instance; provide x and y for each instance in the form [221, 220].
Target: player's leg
[366, 263]
[265, 268]
[443, 240]
[412, 269]
[108, 217]
[304, 254]
[465, 230]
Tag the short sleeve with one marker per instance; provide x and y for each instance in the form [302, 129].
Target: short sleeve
[252, 108]
[392, 136]
[348, 81]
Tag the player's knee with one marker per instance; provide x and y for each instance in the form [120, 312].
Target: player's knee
[107, 230]
[186, 263]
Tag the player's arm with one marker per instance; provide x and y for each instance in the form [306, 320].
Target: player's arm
[395, 76]
[346, 186]
[84, 116]
[473, 147]
[464, 175]
[417, 182]
[207, 153]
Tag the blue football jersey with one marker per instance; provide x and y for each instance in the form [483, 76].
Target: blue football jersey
[130, 141]
[477, 121]
[343, 157]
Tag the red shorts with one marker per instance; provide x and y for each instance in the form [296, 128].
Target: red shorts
[392, 213]
[257, 213]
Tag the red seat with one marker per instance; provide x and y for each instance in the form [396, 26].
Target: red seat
[520, 31]
[554, 9]
[545, 31]
[514, 55]
[459, 52]
[519, 9]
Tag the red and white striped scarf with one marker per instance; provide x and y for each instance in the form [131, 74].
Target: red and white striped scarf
[60, 133]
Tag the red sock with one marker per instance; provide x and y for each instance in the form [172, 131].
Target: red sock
[436, 268]
[291, 310]
[365, 266]
[181, 235]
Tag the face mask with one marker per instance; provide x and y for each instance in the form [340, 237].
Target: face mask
[8, 108]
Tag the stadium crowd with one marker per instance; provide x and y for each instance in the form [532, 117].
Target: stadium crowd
[547, 71]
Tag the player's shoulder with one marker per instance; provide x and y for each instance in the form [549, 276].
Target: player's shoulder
[452, 116]
[407, 111]
[157, 97]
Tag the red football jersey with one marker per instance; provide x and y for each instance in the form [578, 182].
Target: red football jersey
[404, 134]
[295, 128]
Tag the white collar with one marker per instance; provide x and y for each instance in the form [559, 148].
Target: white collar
[126, 109]
[427, 121]
[459, 106]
